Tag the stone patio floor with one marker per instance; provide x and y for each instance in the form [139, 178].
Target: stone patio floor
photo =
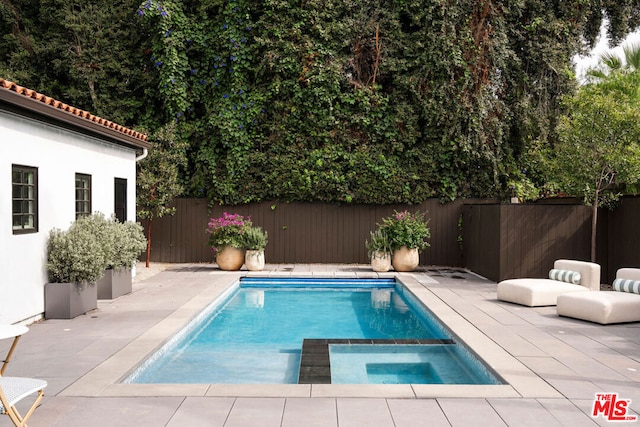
[554, 366]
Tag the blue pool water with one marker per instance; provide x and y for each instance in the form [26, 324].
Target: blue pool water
[406, 364]
[255, 335]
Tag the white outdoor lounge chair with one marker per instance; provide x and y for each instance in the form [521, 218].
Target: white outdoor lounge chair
[567, 276]
[13, 390]
[618, 306]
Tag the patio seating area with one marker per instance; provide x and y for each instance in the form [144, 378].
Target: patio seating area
[569, 276]
[554, 365]
[620, 305]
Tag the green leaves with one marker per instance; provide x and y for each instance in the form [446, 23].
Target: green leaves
[253, 239]
[406, 229]
[90, 245]
[158, 181]
[598, 138]
[333, 100]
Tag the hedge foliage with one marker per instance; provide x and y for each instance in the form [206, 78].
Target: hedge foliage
[332, 100]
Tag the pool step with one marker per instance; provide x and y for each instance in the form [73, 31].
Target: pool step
[315, 364]
[315, 367]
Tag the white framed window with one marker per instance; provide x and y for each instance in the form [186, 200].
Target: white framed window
[83, 195]
[24, 184]
[120, 199]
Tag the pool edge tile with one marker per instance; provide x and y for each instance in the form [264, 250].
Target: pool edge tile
[259, 390]
[403, 391]
[424, 391]
[159, 390]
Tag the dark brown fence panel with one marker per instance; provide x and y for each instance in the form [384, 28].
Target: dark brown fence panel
[304, 232]
[173, 238]
[496, 241]
[623, 229]
[446, 234]
[507, 241]
[481, 239]
[541, 235]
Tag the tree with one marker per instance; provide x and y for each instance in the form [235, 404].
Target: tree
[328, 100]
[598, 151]
[368, 102]
[611, 64]
[158, 180]
[87, 54]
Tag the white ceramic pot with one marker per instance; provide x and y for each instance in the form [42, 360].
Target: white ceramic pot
[405, 259]
[380, 261]
[254, 260]
[229, 258]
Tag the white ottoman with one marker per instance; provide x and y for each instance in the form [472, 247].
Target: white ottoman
[535, 292]
[606, 306]
[540, 292]
[601, 307]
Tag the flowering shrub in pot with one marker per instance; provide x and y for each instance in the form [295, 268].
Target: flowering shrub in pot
[225, 239]
[408, 234]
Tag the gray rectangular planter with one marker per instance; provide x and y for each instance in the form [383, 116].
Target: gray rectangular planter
[114, 284]
[68, 300]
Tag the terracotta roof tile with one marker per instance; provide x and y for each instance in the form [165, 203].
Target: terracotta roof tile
[28, 93]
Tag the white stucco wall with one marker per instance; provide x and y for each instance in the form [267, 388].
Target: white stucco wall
[58, 154]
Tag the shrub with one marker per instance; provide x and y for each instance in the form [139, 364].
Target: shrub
[90, 246]
[74, 256]
[227, 230]
[129, 242]
[379, 242]
[102, 229]
[407, 229]
[254, 238]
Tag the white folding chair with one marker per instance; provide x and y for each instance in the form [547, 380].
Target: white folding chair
[13, 390]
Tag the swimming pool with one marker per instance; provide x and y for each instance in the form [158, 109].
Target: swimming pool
[291, 331]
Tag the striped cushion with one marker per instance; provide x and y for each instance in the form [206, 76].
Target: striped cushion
[565, 276]
[627, 285]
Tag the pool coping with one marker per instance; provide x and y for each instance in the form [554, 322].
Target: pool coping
[104, 379]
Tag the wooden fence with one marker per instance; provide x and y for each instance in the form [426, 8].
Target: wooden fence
[622, 234]
[497, 241]
[303, 232]
[508, 241]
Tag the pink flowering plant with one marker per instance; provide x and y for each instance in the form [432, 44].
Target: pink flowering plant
[228, 230]
[406, 229]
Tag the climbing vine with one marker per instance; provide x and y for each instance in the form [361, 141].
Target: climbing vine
[334, 100]
[361, 102]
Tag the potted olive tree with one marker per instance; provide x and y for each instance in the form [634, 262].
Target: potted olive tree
[75, 261]
[123, 243]
[254, 240]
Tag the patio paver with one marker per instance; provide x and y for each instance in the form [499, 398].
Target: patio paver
[555, 365]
